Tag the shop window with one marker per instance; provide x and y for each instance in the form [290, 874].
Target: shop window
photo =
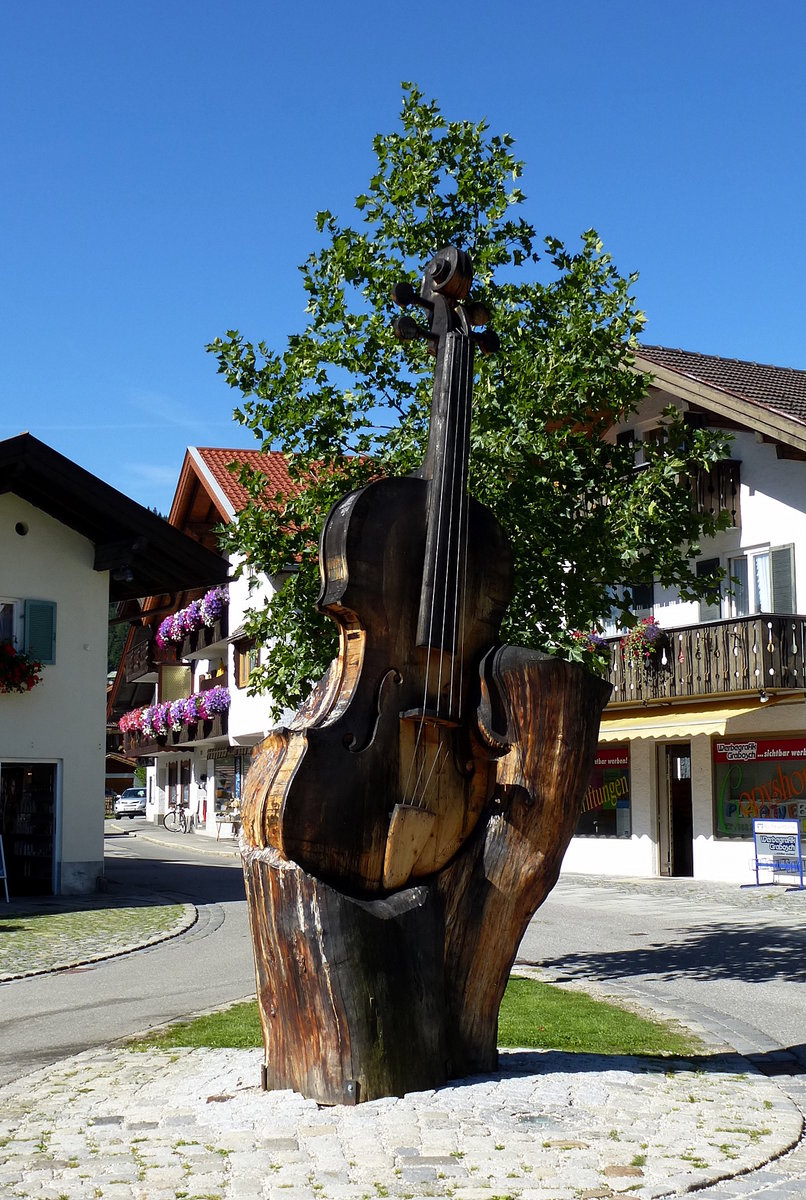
[606, 807]
[229, 778]
[763, 581]
[758, 779]
[247, 658]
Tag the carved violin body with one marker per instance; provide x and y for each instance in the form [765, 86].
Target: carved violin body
[382, 775]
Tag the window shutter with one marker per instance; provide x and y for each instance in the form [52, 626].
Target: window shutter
[783, 579]
[40, 630]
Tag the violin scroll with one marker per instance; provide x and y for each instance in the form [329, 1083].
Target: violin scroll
[443, 292]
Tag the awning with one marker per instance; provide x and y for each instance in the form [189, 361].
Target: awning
[679, 721]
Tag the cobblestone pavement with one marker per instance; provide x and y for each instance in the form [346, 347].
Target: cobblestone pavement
[157, 1125]
[116, 1124]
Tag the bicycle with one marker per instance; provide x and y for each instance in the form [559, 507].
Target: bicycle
[176, 820]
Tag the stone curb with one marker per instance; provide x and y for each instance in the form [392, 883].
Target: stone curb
[187, 919]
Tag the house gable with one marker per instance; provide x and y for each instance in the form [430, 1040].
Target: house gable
[731, 393]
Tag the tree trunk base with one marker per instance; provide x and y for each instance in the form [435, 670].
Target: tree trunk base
[361, 998]
[349, 991]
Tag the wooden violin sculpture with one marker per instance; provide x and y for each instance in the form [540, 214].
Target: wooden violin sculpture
[381, 776]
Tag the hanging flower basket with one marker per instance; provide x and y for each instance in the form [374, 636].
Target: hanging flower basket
[198, 615]
[157, 720]
[641, 645]
[18, 672]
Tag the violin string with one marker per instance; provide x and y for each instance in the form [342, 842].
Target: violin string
[441, 752]
[454, 544]
[460, 582]
[416, 795]
[454, 591]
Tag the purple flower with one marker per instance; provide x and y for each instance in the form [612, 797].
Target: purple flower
[206, 611]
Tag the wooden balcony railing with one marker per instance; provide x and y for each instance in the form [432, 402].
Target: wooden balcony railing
[145, 659]
[718, 489]
[137, 745]
[766, 652]
[209, 635]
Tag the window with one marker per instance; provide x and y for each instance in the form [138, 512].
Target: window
[175, 681]
[8, 621]
[643, 599]
[758, 778]
[172, 788]
[763, 581]
[247, 658]
[31, 626]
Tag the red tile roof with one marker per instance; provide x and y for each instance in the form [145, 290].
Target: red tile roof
[273, 465]
[782, 389]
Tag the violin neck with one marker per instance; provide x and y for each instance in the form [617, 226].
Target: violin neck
[445, 468]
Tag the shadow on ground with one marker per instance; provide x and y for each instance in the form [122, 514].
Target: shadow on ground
[729, 950]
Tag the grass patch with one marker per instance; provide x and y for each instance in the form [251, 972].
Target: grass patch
[542, 1016]
[533, 1014]
[237, 1027]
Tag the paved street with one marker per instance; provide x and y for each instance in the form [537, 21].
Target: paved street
[110, 1123]
[47, 1017]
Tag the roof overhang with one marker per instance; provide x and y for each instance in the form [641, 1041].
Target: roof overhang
[775, 426]
[144, 555]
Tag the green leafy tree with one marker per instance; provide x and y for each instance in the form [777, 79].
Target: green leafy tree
[346, 401]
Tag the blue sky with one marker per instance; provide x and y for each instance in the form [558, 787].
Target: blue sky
[163, 161]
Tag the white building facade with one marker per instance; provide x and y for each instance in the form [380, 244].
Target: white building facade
[68, 543]
[712, 734]
[199, 764]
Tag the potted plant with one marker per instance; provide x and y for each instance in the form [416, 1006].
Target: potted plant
[18, 672]
[641, 644]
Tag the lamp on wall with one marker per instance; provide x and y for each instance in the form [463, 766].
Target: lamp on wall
[762, 696]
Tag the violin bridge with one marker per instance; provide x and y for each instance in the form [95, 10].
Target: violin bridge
[409, 830]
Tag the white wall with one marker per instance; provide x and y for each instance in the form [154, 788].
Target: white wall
[63, 719]
[249, 716]
[772, 513]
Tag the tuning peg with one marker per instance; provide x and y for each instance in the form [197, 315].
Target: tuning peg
[403, 294]
[488, 341]
[407, 329]
[477, 313]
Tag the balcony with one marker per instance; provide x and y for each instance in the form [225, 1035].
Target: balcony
[718, 489]
[138, 745]
[765, 652]
[207, 641]
[142, 662]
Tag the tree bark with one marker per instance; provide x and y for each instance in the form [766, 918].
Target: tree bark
[366, 998]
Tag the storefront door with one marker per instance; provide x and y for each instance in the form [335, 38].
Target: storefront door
[27, 811]
[675, 823]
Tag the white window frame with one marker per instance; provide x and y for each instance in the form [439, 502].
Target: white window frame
[16, 607]
[747, 603]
